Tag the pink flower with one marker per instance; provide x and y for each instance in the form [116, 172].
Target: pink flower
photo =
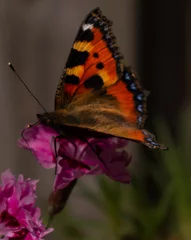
[76, 157]
[19, 218]
[38, 139]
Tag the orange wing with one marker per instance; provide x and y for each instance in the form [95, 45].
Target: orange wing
[94, 61]
[118, 110]
[96, 91]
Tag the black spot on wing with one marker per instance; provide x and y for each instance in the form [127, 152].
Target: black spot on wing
[96, 55]
[76, 58]
[72, 79]
[95, 82]
[86, 35]
[98, 20]
[100, 65]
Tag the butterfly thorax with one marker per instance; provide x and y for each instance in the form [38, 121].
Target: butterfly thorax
[52, 120]
[45, 118]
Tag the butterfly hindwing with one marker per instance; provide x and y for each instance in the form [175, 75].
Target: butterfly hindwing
[117, 110]
[131, 97]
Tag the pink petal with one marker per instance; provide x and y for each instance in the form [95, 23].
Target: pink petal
[115, 165]
[39, 139]
[78, 150]
[7, 178]
[70, 170]
[18, 215]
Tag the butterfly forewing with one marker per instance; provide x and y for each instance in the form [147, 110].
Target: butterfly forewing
[94, 61]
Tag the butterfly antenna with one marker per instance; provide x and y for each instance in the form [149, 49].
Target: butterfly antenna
[22, 135]
[13, 69]
[23, 131]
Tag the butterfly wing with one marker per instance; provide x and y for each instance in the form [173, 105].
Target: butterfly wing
[118, 110]
[94, 61]
[96, 91]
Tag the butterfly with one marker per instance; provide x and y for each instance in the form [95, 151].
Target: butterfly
[97, 94]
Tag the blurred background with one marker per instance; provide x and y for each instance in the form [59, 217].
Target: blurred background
[155, 38]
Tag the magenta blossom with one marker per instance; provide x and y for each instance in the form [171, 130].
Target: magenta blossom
[39, 139]
[76, 157]
[19, 218]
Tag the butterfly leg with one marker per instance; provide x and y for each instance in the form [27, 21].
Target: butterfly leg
[97, 154]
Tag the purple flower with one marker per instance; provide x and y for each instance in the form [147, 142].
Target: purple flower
[39, 139]
[76, 157]
[19, 218]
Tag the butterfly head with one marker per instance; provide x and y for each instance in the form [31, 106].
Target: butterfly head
[50, 119]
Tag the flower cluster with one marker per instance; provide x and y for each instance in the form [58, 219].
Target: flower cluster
[19, 218]
[74, 157]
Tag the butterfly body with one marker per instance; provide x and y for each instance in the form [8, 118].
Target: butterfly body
[97, 94]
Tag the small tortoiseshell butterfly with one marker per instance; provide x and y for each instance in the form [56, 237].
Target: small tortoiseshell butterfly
[97, 93]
